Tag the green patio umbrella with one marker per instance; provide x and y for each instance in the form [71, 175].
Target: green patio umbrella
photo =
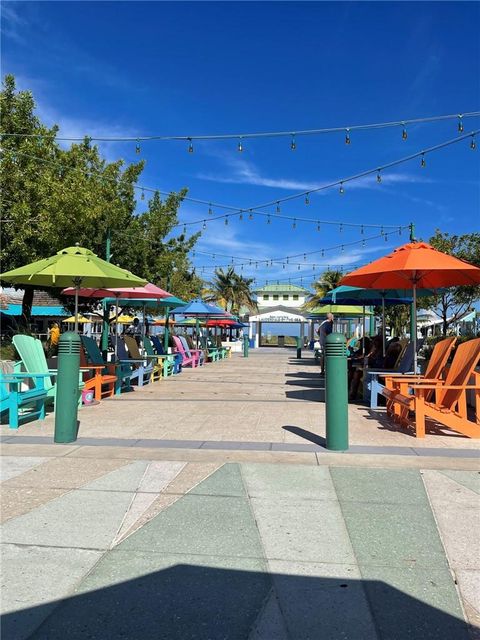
[73, 266]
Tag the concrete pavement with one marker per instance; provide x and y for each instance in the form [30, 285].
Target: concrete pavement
[125, 536]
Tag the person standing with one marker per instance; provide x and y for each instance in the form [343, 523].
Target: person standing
[324, 330]
[53, 338]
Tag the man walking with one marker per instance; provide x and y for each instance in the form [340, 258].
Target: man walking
[324, 330]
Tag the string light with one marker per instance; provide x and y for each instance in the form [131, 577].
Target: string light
[379, 177]
[190, 145]
[460, 123]
[423, 163]
[137, 147]
[268, 219]
[240, 217]
[341, 190]
[386, 237]
[226, 221]
[142, 197]
[210, 210]
[399, 231]
[307, 199]
[318, 226]
[240, 146]
[363, 243]
[404, 132]
[342, 249]
[293, 144]
[362, 231]
[347, 136]
[278, 207]
[473, 144]
[250, 217]
[294, 224]
[304, 256]
[204, 224]
[184, 230]
[340, 228]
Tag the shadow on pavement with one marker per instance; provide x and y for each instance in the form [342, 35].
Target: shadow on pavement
[306, 435]
[186, 602]
[313, 386]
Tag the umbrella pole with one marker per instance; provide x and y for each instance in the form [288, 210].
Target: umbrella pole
[363, 332]
[198, 329]
[165, 336]
[414, 326]
[76, 307]
[383, 325]
[116, 327]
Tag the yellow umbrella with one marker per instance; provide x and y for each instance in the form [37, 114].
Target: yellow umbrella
[125, 319]
[81, 320]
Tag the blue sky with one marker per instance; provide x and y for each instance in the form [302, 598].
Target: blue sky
[134, 68]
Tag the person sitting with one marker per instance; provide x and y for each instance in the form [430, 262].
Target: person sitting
[394, 348]
[373, 359]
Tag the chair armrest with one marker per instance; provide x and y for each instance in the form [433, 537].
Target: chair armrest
[5, 377]
[442, 387]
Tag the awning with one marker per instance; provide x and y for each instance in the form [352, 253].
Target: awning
[53, 311]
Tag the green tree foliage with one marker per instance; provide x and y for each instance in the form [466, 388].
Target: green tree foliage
[231, 291]
[451, 304]
[326, 282]
[54, 197]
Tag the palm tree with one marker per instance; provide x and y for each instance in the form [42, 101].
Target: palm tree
[231, 291]
[327, 282]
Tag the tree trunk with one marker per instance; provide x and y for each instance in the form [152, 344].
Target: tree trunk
[444, 325]
[27, 302]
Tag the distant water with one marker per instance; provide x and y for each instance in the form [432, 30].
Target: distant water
[286, 329]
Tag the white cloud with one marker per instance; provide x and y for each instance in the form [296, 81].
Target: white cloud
[242, 171]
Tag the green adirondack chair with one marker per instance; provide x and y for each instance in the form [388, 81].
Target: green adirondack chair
[21, 403]
[33, 358]
[168, 361]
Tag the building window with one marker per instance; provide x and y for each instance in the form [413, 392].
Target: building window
[285, 297]
[275, 296]
[265, 296]
[295, 296]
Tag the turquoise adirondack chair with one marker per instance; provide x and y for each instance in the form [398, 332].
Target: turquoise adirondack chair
[33, 358]
[213, 353]
[21, 403]
[168, 362]
[177, 358]
[122, 371]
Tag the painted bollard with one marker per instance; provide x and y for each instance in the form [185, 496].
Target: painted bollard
[66, 400]
[246, 346]
[299, 347]
[336, 392]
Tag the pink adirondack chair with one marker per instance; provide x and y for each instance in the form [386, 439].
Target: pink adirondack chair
[192, 359]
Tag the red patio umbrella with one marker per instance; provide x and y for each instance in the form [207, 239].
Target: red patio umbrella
[415, 265]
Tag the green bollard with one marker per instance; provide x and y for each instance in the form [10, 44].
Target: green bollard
[299, 347]
[336, 392]
[246, 345]
[66, 401]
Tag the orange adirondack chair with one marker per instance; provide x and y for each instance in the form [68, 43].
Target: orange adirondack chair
[103, 384]
[398, 383]
[448, 405]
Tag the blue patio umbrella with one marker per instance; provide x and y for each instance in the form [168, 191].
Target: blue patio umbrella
[375, 297]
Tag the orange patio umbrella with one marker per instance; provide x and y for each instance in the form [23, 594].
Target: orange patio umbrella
[416, 265]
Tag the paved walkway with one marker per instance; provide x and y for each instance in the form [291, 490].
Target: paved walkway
[122, 536]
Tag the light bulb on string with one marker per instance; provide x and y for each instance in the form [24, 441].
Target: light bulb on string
[341, 190]
[278, 207]
[283, 265]
[423, 163]
[226, 221]
[363, 243]
[190, 146]
[268, 219]
[379, 177]
[386, 237]
[404, 132]
[288, 260]
[307, 199]
[362, 230]
[250, 216]
[204, 226]
[210, 210]
[240, 217]
[184, 229]
[460, 123]
[142, 197]
[323, 253]
[298, 268]
[293, 143]
[137, 147]
[342, 249]
[294, 224]
[399, 231]
[381, 231]
[473, 144]
[240, 146]
[347, 136]
[318, 226]
[304, 256]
